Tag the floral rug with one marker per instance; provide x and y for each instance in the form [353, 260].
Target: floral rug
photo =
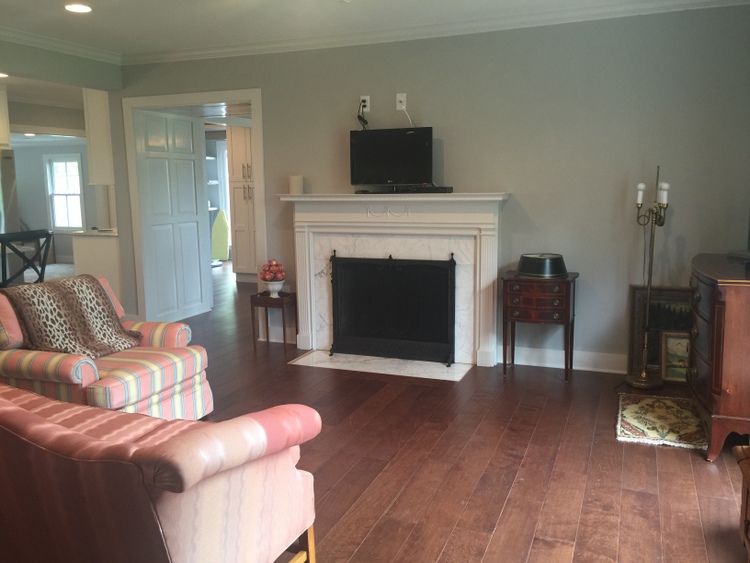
[660, 421]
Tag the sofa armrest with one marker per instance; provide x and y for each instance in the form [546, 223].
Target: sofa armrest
[187, 459]
[53, 367]
[161, 335]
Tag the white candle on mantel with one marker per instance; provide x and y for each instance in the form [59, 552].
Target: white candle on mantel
[641, 189]
[296, 185]
[663, 189]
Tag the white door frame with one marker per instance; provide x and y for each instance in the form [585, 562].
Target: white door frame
[194, 99]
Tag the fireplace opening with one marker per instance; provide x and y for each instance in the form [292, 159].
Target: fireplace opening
[394, 308]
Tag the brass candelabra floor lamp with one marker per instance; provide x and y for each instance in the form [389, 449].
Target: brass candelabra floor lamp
[655, 216]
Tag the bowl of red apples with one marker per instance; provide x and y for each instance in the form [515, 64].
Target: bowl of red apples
[272, 273]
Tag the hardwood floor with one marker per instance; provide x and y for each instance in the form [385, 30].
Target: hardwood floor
[492, 468]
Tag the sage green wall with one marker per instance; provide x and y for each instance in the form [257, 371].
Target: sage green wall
[567, 118]
[43, 64]
[36, 115]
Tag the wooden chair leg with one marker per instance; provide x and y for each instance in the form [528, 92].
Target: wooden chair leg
[306, 546]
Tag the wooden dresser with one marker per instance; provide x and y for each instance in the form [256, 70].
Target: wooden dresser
[719, 374]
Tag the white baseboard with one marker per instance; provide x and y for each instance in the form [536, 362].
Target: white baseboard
[584, 361]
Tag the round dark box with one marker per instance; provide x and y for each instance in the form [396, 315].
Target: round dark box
[542, 266]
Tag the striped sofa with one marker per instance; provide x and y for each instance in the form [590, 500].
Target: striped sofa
[89, 485]
[162, 377]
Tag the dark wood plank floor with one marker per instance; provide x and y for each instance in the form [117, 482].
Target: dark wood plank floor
[492, 468]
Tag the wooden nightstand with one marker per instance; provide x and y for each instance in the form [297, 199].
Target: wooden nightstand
[265, 301]
[539, 301]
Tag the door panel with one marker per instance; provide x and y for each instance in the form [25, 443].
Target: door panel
[158, 179]
[174, 215]
[183, 137]
[191, 279]
[162, 237]
[186, 188]
[156, 134]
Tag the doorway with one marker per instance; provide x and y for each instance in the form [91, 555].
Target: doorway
[195, 105]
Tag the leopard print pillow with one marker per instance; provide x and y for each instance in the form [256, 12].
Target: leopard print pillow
[71, 315]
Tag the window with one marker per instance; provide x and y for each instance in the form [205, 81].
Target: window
[64, 185]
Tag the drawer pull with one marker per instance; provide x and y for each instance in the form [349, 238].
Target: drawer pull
[516, 314]
[697, 296]
[556, 289]
[516, 300]
[694, 333]
[516, 287]
[556, 302]
[556, 316]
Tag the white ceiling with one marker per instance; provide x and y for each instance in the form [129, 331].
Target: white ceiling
[135, 31]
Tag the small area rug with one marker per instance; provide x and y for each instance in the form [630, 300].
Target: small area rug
[663, 421]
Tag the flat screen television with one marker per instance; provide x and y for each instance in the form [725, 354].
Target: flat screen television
[391, 157]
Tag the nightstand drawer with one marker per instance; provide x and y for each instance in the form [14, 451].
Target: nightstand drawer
[535, 315]
[532, 288]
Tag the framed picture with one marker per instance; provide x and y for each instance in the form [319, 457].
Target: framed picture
[669, 312]
[675, 354]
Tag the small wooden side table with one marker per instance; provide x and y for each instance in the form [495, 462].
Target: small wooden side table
[265, 301]
[541, 301]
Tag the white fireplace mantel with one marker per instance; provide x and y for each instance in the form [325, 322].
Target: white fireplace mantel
[405, 226]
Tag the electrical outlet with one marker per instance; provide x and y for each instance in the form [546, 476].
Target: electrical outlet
[364, 103]
[401, 102]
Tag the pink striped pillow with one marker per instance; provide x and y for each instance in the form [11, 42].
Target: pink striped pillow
[11, 335]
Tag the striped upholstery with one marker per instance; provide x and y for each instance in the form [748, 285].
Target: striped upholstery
[128, 377]
[10, 331]
[48, 366]
[162, 377]
[190, 399]
[101, 424]
[100, 485]
[161, 335]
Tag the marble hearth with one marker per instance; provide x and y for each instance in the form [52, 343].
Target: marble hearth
[405, 226]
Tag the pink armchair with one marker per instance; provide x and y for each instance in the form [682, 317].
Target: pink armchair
[162, 376]
[85, 484]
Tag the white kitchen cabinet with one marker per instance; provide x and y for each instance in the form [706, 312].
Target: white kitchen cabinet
[242, 188]
[4, 120]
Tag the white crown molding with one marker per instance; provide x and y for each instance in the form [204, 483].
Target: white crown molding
[57, 46]
[513, 21]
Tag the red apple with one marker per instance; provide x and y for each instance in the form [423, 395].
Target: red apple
[273, 262]
[279, 276]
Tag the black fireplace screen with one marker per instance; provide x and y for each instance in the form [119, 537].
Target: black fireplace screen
[394, 308]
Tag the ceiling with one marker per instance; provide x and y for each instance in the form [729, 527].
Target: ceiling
[140, 31]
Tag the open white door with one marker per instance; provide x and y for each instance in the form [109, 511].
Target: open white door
[170, 155]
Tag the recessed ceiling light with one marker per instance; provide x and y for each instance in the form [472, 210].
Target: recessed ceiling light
[29, 134]
[3, 75]
[78, 8]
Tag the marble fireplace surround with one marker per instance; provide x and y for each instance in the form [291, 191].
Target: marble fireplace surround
[405, 226]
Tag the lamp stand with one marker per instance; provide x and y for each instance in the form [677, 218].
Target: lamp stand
[656, 216]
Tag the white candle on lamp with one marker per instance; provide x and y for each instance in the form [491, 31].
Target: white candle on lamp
[663, 189]
[641, 189]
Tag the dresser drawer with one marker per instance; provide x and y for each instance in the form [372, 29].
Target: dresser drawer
[702, 298]
[699, 379]
[701, 338]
